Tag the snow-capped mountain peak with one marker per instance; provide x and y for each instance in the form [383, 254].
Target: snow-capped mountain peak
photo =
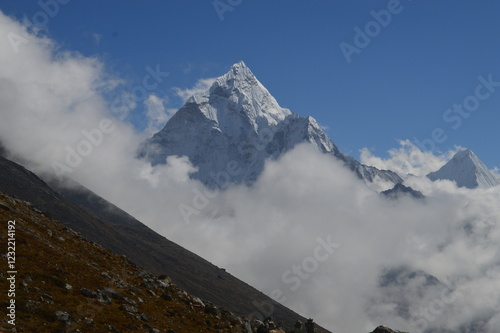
[238, 122]
[239, 91]
[238, 77]
[466, 170]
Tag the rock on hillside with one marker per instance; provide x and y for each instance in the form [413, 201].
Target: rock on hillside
[385, 329]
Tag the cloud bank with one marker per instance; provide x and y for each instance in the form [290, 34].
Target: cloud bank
[308, 232]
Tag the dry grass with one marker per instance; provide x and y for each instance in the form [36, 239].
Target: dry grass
[47, 264]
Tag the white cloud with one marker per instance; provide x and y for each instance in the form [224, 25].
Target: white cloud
[407, 159]
[496, 172]
[201, 86]
[259, 233]
[156, 113]
[265, 230]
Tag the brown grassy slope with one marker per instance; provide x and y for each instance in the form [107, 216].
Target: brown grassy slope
[54, 263]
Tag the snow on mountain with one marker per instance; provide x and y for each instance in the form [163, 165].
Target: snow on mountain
[466, 170]
[238, 93]
[232, 128]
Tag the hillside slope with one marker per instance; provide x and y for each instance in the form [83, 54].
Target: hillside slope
[142, 245]
[66, 283]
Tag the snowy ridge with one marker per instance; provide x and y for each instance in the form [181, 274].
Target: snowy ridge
[235, 126]
[466, 170]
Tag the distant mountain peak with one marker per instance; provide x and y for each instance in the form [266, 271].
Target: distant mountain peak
[237, 97]
[466, 156]
[239, 64]
[239, 71]
[238, 77]
[238, 121]
[466, 170]
[401, 190]
[466, 152]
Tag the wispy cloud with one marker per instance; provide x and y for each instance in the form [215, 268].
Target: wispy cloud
[157, 113]
[201, 86]
[408, 159]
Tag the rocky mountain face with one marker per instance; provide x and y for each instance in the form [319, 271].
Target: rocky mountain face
[400, 190]
[466, 170]
[385, 329]
[231, 129]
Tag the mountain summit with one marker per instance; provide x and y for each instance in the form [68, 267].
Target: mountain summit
[230, 130]
[237, 98]
[466, 170]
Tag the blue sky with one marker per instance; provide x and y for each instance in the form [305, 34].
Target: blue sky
[399, 86]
